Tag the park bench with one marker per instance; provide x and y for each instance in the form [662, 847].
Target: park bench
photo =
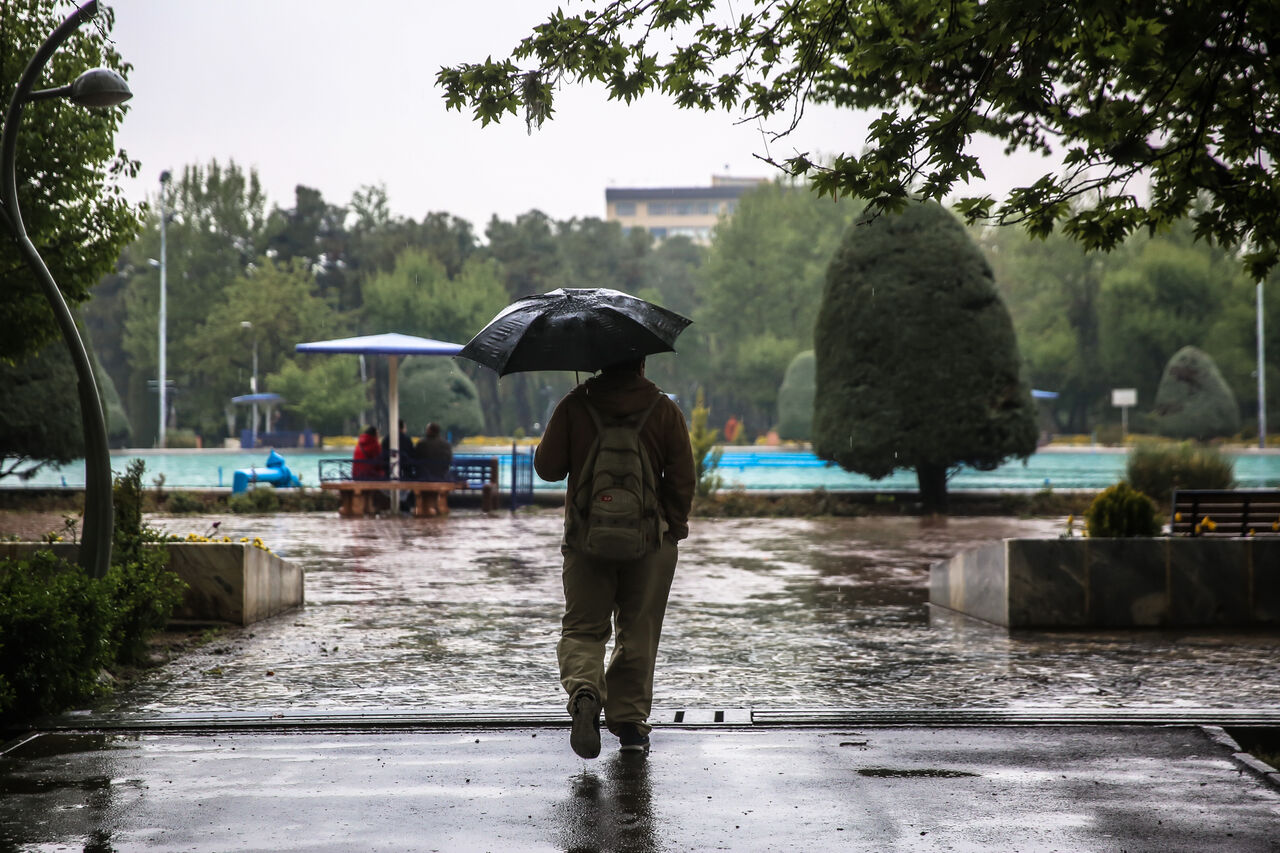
[1225, 512]
[467, 473]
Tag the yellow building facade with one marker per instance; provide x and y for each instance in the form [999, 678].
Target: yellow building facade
[677, 211]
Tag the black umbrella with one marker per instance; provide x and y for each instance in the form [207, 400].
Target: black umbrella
[574, 329]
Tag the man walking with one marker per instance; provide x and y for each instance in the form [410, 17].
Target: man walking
[624, 590]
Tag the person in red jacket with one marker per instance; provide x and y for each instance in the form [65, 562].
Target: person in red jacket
[367, 461]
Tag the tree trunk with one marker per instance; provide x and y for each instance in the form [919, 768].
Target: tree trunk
[933, 487]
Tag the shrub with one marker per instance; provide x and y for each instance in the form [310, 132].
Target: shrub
[60, 627]
[55, 635]
[1121, 511]
[706, 456]
[184, 502]
[181, 438]
[141, 589]
[795, 399]
[1193, 400]
[261, 499]
[1158, 469]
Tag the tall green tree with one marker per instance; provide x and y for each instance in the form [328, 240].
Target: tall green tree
[316, 232]
[528, 252]
[1182, 93]
[1052, 288]
[68, 170]
[1165, 298]
[418, 297]
[40, 418]
[282, 304]
[917, 362]
[321, 392]
[214, 234]
[761, 287]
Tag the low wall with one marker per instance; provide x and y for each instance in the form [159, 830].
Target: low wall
[1114, 583]
[226, 582]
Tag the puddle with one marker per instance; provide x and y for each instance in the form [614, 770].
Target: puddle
[892, 773]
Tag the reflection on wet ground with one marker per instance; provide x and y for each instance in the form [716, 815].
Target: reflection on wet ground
[463, 613]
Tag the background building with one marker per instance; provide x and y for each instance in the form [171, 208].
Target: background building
[677, 211]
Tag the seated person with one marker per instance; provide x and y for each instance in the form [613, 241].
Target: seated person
[366, 461]
[405, 455]
[433, 455]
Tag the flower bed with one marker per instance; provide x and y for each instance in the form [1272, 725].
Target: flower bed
[1161, 582]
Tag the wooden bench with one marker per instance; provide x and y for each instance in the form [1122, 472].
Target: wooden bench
[430, 498]
[1225, 512]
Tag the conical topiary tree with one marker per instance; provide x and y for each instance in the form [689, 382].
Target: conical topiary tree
[795, 399]
[917, 362]
[1193, 400]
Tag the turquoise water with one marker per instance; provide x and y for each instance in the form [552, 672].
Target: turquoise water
[739, 467]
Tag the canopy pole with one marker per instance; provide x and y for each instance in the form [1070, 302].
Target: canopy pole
[393, 391]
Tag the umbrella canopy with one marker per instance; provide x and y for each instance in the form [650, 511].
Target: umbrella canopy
[574, 329]
[393, 345]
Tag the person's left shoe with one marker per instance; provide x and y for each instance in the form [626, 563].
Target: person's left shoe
[630, 739]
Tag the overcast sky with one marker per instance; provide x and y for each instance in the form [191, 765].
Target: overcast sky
[337, 95]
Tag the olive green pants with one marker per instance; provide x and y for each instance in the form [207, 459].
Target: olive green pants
[600, 596]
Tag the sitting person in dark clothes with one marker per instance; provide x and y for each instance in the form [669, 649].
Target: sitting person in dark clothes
[405, 454]
[433, 454]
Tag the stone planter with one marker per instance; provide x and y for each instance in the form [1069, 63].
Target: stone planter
[1170, 582]
[226, 582]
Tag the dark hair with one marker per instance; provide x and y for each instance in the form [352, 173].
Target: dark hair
[371, 430]
[433, 430]
[631, 365]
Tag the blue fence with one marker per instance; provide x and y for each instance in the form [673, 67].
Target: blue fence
[521, 477]
[475, 470]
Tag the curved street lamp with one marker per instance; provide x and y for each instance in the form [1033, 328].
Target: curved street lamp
[100, 87]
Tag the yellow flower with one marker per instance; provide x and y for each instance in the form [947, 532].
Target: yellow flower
[1177, 516]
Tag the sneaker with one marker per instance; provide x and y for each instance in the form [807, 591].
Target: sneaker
[631, 740]
[585, 736]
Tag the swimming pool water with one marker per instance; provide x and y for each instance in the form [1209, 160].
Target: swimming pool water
[765, 469]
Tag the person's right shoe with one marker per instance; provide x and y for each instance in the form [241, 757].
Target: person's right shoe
[585, 735]
[631, 740]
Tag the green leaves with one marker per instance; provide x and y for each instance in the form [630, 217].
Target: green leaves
[1178, 96]
[67, 165]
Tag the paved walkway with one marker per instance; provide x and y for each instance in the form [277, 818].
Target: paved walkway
[520, 788]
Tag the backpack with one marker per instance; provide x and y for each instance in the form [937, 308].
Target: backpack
[615, 509]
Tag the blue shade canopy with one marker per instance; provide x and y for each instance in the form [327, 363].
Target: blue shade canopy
[257, 398]
[1044, 395]
[391, 343]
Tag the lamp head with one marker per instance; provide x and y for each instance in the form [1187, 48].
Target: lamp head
[100, 87]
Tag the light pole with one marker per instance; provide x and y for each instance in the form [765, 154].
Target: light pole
[253, 386]
[1262, 378]
[100, 87]
[164, 181]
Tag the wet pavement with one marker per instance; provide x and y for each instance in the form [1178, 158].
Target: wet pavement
[462, 613]
[902, 789]
[784, 617]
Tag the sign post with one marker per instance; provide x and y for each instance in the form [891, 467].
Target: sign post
[1124, 398]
